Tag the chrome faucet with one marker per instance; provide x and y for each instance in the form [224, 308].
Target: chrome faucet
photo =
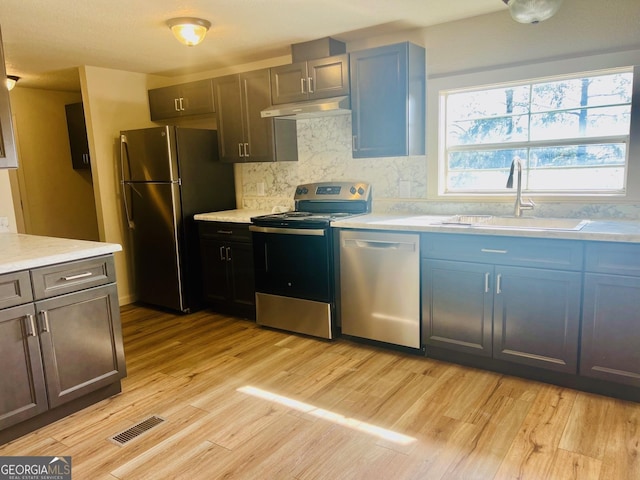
[520, 205]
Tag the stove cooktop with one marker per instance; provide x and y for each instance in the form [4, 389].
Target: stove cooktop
[318, 204]
[299, 219]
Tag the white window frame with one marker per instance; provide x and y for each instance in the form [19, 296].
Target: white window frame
[525, 73]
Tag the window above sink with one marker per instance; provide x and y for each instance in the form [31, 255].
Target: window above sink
[571, 134]
[516, 75]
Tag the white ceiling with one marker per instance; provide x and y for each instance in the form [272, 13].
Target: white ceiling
[46, 40]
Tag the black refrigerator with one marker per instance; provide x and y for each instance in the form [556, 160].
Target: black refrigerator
[169, 174]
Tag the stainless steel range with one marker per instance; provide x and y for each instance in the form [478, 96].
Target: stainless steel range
[294, 257]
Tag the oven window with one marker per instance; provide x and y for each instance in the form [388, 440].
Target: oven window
[293, 265]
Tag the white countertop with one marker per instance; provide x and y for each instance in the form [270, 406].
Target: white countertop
[22, 252]
[599, 230]
[240, 215]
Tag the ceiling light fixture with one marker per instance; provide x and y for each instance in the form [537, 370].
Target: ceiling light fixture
[532, 11]
[189, 30]
[11, 81]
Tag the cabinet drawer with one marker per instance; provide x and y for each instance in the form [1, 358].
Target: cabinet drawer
[526, 252]
[225, 231]
[72, 276]
[615, 258]
[15, 289]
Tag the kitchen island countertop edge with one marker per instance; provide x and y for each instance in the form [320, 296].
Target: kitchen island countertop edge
[23, 252]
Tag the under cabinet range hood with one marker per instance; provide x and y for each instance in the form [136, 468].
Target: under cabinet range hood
[315, 84]
[310, 108]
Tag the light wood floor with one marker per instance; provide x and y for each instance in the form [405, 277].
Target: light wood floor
[250, 403]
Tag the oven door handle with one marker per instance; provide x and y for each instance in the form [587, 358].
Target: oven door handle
[316, 232]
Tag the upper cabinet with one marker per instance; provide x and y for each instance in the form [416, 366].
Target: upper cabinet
[8, 153]
[388, 101]
[320, 69]
[243, 135]
[193, 98]
[78, 140]
[310, 80]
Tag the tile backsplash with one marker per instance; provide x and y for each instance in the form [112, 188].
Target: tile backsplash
[399, 183]
[324, 152]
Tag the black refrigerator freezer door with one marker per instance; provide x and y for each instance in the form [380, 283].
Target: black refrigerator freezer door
[155, 218]
[149, 154]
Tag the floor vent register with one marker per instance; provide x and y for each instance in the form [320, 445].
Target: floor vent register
[138, 429]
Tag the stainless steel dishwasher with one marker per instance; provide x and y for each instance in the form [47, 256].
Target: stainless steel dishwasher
[380, 286]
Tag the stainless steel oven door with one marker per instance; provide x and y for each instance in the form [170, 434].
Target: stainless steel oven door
[293, 262]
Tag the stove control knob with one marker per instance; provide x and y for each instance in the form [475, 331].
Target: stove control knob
[298, 191]
[361, 191]
[305, 190]
[353, 190]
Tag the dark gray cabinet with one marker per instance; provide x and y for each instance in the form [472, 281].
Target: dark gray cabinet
[388, 88]
[227, 267]
[510, 299]
[243, 135]
[310, 80]
[22, 386]
[457, 306]
[8, 152]
[193, 98]
[64, 345]
[611, 319]
[78, 140]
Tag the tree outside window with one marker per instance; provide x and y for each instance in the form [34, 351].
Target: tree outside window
[571, 133]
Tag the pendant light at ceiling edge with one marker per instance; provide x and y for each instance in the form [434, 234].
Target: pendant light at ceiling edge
[11, 81]
[532, 11]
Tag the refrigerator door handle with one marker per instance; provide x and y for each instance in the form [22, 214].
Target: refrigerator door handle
[124, 151]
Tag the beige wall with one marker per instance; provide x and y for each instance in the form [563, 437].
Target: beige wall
[6, 202]
[113, 101]
[57, 200]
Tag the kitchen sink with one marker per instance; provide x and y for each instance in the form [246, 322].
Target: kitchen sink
[517, 223]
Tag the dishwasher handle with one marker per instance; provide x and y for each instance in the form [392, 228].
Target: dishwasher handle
[379, 244]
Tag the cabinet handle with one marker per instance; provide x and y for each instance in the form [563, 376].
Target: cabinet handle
[354, 142]
[240, 152]
[175, 104]
[498, 284]
[486, 282]
[222, 257]
[228, 254]
[491, 250]
[76, 277]
[31, 325]
[45, 321]
[225, 232]
[310, 85]
[303, 82]
[181, 104]
[246, 150]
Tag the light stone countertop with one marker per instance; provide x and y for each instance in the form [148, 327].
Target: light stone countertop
[240, 215]
[597, 230]
[23, 252]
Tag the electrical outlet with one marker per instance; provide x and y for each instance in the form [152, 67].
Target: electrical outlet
[260, 189]
[4, 224]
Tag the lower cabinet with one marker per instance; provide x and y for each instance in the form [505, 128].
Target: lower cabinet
[611, 318]
[227, 267]
[81, 342]
[509, 311]
[22, 386]
[59, 349]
